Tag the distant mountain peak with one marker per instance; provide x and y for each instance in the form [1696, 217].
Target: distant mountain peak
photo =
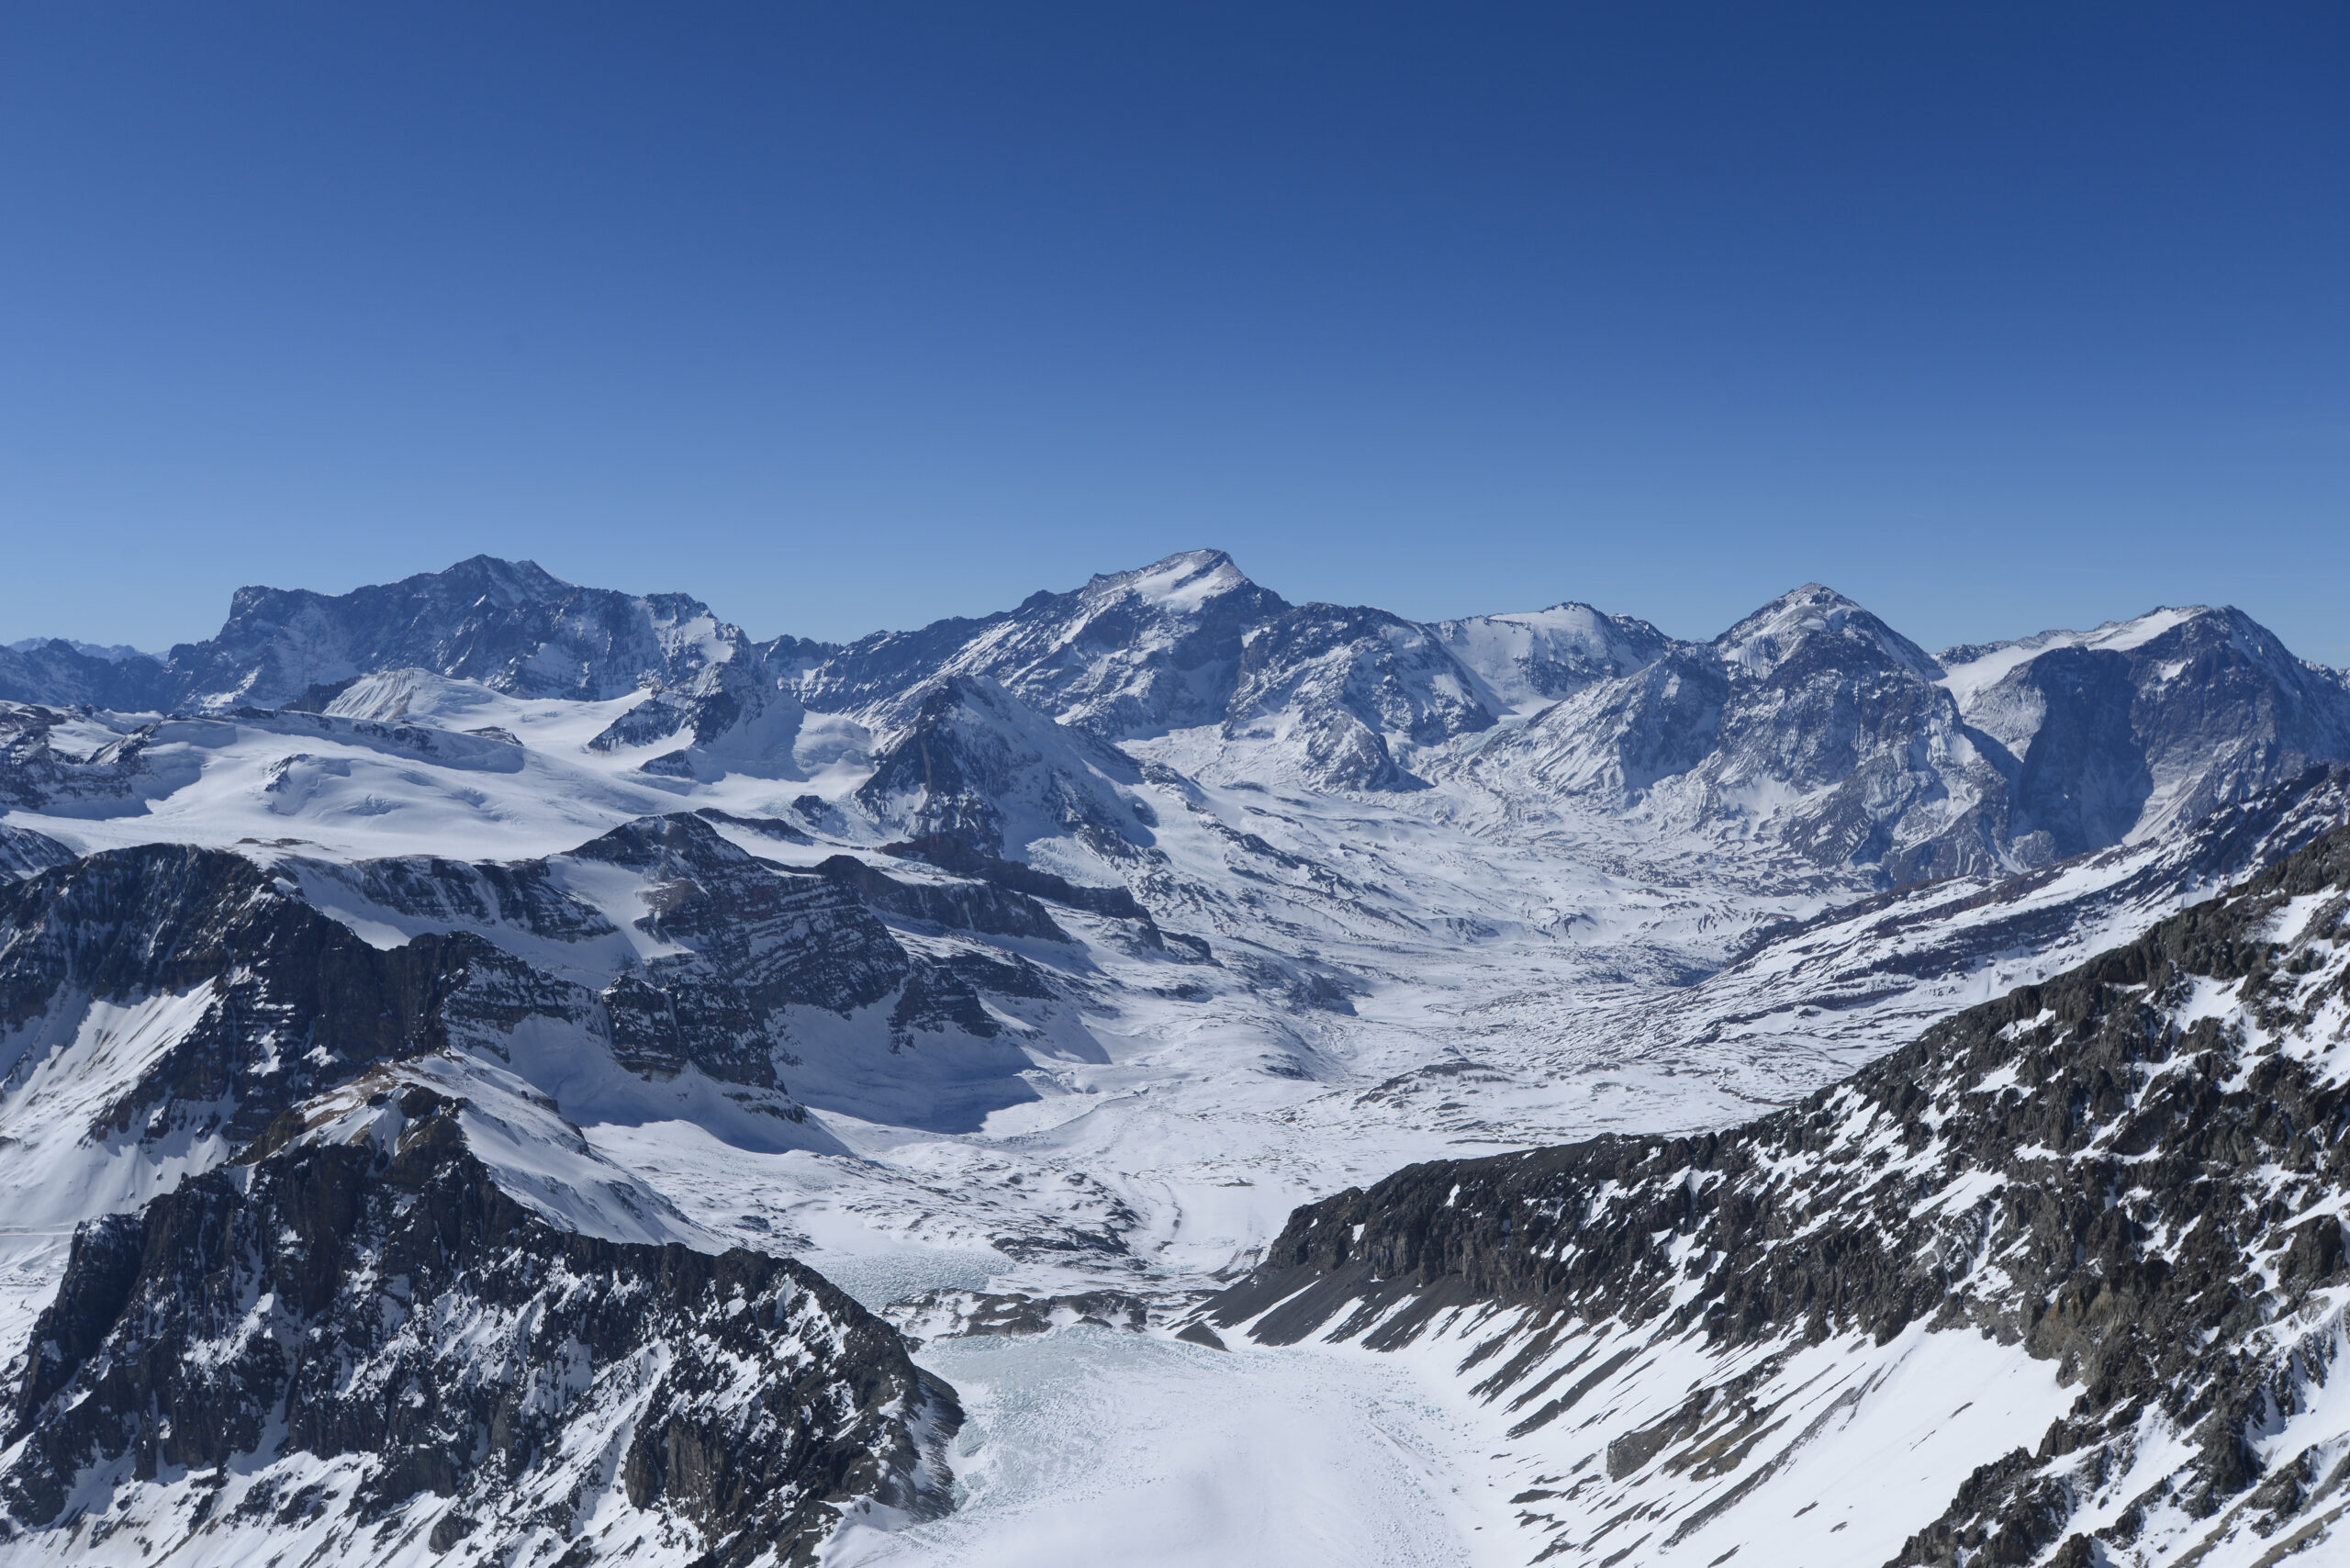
[112, 652]
[1179, 584]
[1766, 639]
[517, 582]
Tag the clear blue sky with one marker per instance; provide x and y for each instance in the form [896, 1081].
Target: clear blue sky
[851, 315]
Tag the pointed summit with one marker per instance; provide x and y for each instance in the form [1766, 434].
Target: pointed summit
[1178, 585]
[1798, 619]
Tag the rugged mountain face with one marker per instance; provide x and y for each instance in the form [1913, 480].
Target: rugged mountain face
[2113, 1200]
[163, 1004]
[357, 1342]
[1333, 690]
[1813, 727]
[1810, 730]
[61, 762]
[57, 671]
[1024, 973]
[2147, 723]
[1532, 660]
[1187, 642]
[1132, 653]
[1810, 724]
[22, 852]
[975, 764]
[728, 978]
[508, 625]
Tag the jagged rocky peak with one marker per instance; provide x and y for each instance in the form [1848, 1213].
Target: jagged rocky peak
[359, 1343]
[510, 624]
[1128, 654]
[1336, 689]
[2076, 1256]
[1818, 624]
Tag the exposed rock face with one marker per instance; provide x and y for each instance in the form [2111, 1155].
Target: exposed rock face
[274, 1000]
[1810, 719]
[1330, 684]
[362, 1306]
[1129, 654]
[2149, 722]
[1814, 726]
[509, 624]
[975, 764]
[1188, 641]
[23, 851]
[2132, 1173]
[57, 672]
[53, 761]
[361, 1339]
[1811, 731]
[728, 961]
[944, 1313]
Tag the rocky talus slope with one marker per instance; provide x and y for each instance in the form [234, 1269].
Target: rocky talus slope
[2113, 1203]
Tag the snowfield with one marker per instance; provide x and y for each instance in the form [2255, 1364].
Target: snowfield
[1390, 901]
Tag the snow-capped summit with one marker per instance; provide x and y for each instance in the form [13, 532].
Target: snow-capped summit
[510, 624]
[1818, 624]
[1179, 584]
[2140, 723]
[1810, 726]
[1128, 654]
[1530, 659]
[444, 944]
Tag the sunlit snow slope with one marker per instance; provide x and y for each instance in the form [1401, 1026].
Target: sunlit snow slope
[1020, 976]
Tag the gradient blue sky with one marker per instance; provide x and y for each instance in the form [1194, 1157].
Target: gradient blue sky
[850, 315]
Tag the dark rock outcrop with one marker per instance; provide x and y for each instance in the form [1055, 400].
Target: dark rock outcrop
[458, 1366]
[2134, 1171]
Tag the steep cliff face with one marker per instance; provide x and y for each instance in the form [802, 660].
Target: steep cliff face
[509, 624]
[2147, 724]
[167, 997]
[359, 1343]
[2114, 1199]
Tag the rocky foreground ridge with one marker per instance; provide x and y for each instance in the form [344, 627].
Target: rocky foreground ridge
[354, 1343]
[2116, 1200]
[364, 1289]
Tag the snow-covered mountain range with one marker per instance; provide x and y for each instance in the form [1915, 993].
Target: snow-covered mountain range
[498, 1071]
